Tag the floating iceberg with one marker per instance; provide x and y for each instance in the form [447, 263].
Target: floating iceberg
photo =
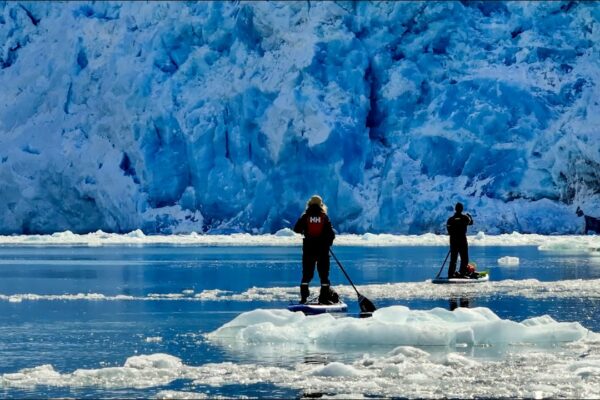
[394, 326]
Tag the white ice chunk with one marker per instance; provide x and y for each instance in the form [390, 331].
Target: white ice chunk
[393, 326]
[337, 369]
[508, 260]
[285, 232]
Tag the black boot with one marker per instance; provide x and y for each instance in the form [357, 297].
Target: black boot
[304, 293]
[324, 294]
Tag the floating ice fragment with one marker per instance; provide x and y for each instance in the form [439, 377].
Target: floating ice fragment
[368, 237]
[393, 326]
[508, 260]
[176, 394]
[136, 234]
[285, 232]
[158, 361]
[337, 369]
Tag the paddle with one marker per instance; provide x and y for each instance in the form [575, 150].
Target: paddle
[366, 306]
[444, 263]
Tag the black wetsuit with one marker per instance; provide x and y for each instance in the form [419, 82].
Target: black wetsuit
[318, 233]
[457, 229]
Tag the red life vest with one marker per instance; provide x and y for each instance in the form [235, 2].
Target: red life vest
[314, 225]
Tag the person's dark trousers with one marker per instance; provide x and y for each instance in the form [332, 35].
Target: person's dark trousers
[457, 249]
[310, 256]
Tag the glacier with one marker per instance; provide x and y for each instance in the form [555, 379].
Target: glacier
[222, 117]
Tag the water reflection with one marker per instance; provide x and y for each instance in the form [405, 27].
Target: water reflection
[315, 358]
[455, 302]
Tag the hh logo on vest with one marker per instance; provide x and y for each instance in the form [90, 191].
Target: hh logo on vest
[315, 226]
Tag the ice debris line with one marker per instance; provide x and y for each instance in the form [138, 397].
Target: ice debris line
[575, 244]
[405, 371]
[527, 288]
[224, 116]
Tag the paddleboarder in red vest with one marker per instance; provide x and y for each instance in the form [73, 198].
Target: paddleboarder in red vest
[318, 233]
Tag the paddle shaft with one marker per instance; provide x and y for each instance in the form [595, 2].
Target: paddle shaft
[444, 263]
[344, 271]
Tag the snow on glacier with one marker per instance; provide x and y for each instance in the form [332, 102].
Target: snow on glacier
[225, 116]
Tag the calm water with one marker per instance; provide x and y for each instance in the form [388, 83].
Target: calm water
[95, 334]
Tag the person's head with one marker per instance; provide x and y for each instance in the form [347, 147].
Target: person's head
[316, 201]
[459, 207]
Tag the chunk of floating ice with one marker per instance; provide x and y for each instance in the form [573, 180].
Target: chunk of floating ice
[153, 339]
[337, 369]
[138, 372]
[508, 260]
[368, 236]
[393, 326]
[176, 394]
[285, 232]
[136, 234]
[402, 372]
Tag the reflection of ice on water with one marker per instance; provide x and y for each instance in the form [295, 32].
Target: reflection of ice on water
[574, 246]
[594, 251]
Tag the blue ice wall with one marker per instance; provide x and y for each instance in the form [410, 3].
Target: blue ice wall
[227, 116]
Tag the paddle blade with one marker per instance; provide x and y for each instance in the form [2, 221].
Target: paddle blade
[365, 304]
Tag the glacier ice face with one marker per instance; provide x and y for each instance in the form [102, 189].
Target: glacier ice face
[227, 116]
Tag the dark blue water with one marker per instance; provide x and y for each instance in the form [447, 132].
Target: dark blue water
[95, 334]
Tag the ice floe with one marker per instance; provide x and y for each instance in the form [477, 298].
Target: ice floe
[394, 326]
